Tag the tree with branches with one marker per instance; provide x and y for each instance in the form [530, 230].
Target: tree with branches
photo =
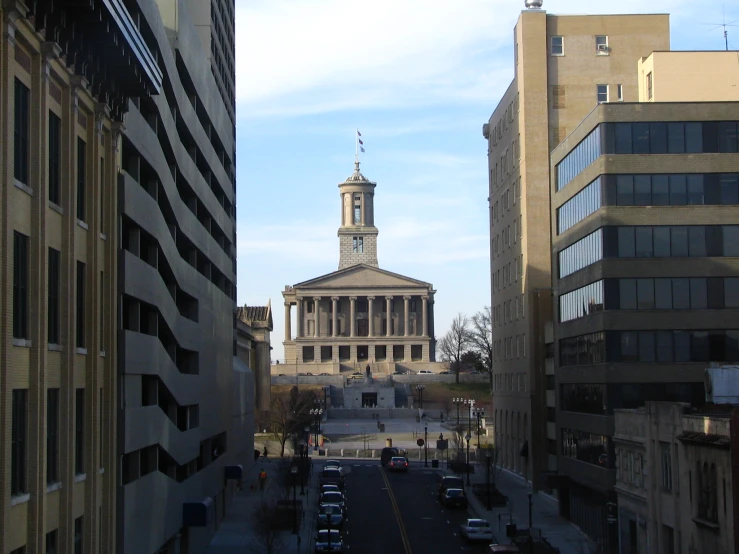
[454, 343]
[481, 339]
[288, 415]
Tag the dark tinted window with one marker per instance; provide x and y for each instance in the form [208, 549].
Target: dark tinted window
[693, 138]
[626, 246]
[681, 294]
[640, 134]
[646, 346]
[727, 139]
[623, 138]
[681, 340]
[664, 346]
[645, 293]
[660, 190]
[643, 242]
[679, 242]
[678, 189]
[629, 346]
[625, 190]
[642, 190]
[697, 240]
[731, 240]
[627, 294]
[663, 294]
[729, 183]
[731, 292]
[695, 189]
[675, 138]
[658, 138]
[698, 294]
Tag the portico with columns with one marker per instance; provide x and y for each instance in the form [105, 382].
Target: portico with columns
[360, 314]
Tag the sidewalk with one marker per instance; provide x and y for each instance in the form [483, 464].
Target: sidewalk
[235, 534]
[559, 532]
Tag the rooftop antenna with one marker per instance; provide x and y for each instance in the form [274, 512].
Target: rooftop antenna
[723, 25]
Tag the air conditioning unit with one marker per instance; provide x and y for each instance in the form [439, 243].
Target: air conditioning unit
[602, 47]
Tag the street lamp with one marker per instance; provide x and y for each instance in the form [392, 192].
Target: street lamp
[294, 473]
[316, 413]
[480, 413]
[470, 405]
[326, 390]
[487, 480]
[303, 449]
[426, 444]
[420, 388]
[468, 437]
[458, 402]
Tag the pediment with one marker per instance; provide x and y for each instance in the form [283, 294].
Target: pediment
[362, 276]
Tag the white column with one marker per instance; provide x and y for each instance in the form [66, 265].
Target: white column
[388, 300]
[352, 315]
[405, 315]
[424, 315]
[288, 326]
[299, 316]
[317, 316]
[334, 300]
[370, 315]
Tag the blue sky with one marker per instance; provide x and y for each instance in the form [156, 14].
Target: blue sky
[418, 79]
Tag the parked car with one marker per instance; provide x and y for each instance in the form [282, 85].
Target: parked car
[326, 542]
[425, 372]
[445, 372]
[335, 499]
[454, 498]
[503, 549]
[309, 374]
[327, 488]
[335, 520]
[475, 372]
[450, 482]
[398, 463]
[301, 374]
[477, 530]
[333, 464]
[331, 476]
[324, 373]
[388, 452]
[282, 375]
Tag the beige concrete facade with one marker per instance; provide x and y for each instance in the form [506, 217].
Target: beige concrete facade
[360, 314]
[674, 480]
[559, 63]
[689, 77]
[253, 347]
[77, 368]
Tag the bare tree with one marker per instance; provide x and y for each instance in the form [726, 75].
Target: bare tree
[289, 415]
[268, 536]
[481, 338]
[453, 344]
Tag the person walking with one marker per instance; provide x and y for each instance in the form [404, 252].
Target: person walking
[265, 452]
[262, 479]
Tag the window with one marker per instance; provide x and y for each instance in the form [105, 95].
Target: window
[55, 158]
[707, 492]
[602, 91]
[649, 86]
[358, 244]
[20, 286]
[22, 136]
[78, 530]
[357, 210]
[558, 46]
[51, 542]
[102, 195]
[79, 432]
[620, 93]
[666, 465]
[52, 436]
[54, 296]
[81, 155]
[19, 432]
[601, 45]
[80, 305]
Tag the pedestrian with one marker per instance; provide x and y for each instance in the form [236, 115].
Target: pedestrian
[265, 452]
[441, 416]
[262, 479]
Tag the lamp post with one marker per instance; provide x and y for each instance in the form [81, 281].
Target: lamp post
[480, 413]
[326, 390]
[294, 474]
[317, 413]
[468, 437]
[458, 402]
[470, 406]
[487, 481]
[426, 444]
[303, 449]
[420, 388]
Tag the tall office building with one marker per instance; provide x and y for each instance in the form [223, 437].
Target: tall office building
[186, 412]
[563, 67]
[67, 70]
[646, 277]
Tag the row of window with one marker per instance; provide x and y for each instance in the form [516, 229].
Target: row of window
[508, 311]
[557, 45]
[665, 241]
[22, 157]
[51, 539]
[676, 293]
[511, 382]
[696, 137]
[19, 438]
[507, 237]
[510, 348]
[21, 294]
[676, 189]
[508, 274]
[587, 447]
[601, 399]
[650, 346]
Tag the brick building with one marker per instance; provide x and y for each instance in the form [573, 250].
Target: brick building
[61, 124]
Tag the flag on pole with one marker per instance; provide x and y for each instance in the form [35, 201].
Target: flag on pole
[359, 144]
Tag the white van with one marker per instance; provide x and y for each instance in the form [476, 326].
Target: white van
[425, 372]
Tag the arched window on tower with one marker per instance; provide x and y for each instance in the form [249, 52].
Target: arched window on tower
[357, 209]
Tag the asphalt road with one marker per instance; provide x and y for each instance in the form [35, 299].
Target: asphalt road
[398, 513]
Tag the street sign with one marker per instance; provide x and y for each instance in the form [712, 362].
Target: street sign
[419, 442]
[442, 444]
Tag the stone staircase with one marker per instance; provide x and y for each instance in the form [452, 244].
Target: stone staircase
[337, 397]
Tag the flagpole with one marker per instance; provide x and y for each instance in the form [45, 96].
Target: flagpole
[356, 146]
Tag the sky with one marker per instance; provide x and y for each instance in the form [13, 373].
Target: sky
[417, 79]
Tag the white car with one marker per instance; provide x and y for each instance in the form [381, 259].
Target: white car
[425, 372]
[333, 464]
[477, 530]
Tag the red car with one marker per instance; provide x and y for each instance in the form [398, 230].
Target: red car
[398, 463]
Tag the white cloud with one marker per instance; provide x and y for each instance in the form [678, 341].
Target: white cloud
[313, 56]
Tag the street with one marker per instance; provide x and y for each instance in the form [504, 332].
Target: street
[404, 518]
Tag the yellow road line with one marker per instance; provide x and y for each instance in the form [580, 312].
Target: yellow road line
[403, 534]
